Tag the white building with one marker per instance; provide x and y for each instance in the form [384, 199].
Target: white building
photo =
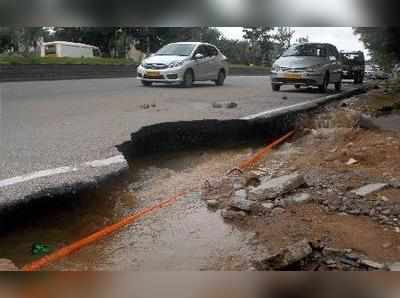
[68, 49]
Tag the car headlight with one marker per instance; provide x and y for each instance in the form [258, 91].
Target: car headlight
[275, 68]
[176, 64]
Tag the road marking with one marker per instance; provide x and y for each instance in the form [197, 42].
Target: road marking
[36, 175]
[62, 170]
[105, 162]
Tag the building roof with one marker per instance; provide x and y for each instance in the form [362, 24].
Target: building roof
[72, 44]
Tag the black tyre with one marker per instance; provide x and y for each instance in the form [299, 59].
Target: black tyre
[297, 86]
[276, 87]
[338, 86]
[147, 83]
[356, 77]
[324, 86]
[220, 79]
[361, 78]
[188, 79]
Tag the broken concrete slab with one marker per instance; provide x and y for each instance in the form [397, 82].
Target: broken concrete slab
[372, 264]
[394, 266]
[299, 198]
[369, 189]
[212, 203]
[240, 201]
[7, 265]
[285, 257]
[272, 188]
[268, 206]
[233, 215]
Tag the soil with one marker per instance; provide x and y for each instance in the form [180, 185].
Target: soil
[310, 221]
[335, 156]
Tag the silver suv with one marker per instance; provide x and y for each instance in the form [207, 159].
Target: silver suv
[184, 63]
[308, 64]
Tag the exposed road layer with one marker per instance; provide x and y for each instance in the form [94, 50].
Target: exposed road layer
[106, 231]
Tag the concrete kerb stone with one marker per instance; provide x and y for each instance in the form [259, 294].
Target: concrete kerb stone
[307, 106]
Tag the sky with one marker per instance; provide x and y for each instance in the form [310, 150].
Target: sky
[342, 37]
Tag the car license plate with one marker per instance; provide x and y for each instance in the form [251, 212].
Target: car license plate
[292, 75]
[152, 73]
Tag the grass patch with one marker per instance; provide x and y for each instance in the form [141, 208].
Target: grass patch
[14, 60]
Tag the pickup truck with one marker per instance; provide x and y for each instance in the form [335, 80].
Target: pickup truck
[353, 66]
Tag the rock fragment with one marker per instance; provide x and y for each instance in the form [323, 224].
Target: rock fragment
[233, 215]
[7, 265]
[285, 257]
[369, 189]
[394, 266]
[299, 198]
[272, 188]
[240, 201]
[372, 264]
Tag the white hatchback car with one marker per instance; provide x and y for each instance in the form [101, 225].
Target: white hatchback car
[184, 63]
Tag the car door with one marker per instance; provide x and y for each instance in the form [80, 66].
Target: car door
[201, 67]
[335, 64]
[213, 63]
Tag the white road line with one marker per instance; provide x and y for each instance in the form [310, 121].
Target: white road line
[105, 162]
[35, 175]
[62, 170]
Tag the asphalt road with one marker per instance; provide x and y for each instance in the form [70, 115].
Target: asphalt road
[52, 124]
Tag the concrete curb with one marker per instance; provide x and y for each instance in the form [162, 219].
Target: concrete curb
[308, 105]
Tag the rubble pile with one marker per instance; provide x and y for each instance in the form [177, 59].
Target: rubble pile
[314, 256]
[345, 162]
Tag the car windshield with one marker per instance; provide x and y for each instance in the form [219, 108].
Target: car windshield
[351, 56]
[305, 50]
[176, 50]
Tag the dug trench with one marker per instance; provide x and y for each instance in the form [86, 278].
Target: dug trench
[164, 159]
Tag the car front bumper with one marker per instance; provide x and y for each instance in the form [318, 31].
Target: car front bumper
[297, 78]
[168, 75]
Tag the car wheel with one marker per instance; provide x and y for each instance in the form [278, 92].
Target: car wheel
[187, 79]
[146, 83]
[221, 78]
[356, 78]
[324, 86]
[338, 86]
[297, 86]
[276, 87]
[361, 78]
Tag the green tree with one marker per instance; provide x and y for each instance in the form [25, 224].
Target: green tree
[283, 37]
[20, 39]
[261, 43]
[383, 44]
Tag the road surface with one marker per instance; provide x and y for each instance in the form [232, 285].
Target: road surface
[47, 125]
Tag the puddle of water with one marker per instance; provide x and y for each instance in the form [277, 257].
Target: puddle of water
[170, 239]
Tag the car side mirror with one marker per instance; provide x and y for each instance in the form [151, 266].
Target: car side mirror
[198, 56]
